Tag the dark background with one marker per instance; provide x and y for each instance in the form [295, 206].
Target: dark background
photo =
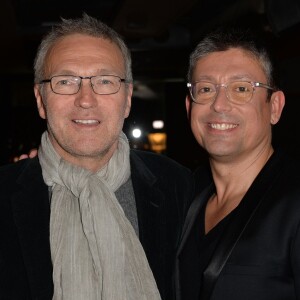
[160, 35]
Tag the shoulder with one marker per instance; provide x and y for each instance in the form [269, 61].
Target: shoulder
[278, 183]
[13, 170]
[202, 177]
[153, 174]
[288, 167]
[158, 164]
[11, 174]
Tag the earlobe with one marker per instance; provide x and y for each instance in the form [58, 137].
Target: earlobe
[128, 100]
[39, 101]
[188, 106]
[277, 105]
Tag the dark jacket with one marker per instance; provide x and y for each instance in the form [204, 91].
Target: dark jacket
[265, 263]
[162, 190]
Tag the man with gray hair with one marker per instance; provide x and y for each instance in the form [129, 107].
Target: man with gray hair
[83, 219]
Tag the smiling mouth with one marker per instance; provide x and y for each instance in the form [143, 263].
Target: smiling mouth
[222, 126]
[86, 122]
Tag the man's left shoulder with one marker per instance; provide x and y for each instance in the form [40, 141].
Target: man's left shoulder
[289, 165]
[158, 163]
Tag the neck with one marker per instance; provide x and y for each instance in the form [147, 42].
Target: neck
[234, 177]
[92, 163]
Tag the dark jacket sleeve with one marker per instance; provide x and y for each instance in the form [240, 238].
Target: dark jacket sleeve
[25, 261]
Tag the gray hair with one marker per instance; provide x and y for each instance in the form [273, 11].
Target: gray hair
[222, 40]
[86, 25]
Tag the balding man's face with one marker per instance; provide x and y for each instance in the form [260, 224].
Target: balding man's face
[84, 127]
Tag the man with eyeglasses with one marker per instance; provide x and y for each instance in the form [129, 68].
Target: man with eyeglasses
[241, 237]
[81, 220]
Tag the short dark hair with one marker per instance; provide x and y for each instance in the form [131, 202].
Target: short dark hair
[223, 39]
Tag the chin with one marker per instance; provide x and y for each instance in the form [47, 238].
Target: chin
[84, 149]
[219, 152]
[91, 153]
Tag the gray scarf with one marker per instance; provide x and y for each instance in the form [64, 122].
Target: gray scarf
[96, 254]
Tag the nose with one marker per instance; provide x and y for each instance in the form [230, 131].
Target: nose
[86, 98]
[221, 102]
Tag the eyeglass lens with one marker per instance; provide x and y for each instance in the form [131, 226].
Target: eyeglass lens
[68, 85]
[237, 91]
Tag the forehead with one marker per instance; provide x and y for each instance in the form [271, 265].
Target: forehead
[234, 62]
[78, 52]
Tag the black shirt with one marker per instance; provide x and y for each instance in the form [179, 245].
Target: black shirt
[198, 251]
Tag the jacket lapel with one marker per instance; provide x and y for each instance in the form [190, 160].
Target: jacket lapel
[31, 211]
[149, 199]
[192, 214]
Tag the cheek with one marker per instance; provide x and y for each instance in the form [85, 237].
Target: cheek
[114, 115]
[59, 104]
[55, 112]
[258, 123]
[196, 125]
[263, 115]
[121, 110]
[196, 116]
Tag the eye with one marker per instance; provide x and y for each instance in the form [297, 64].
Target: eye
[241, 87]
[106, 81]
[65, 81]
[204, 88]
[103, 81]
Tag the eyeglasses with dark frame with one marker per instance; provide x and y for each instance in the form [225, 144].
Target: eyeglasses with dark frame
[238, 92]
[70, 84]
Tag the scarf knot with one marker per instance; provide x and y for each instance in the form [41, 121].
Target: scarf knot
[73, 178]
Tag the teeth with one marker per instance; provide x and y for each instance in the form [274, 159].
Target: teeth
[86, 121]
[223, 126]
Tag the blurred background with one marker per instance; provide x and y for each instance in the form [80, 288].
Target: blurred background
[160, 35]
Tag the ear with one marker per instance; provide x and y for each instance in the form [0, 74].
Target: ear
[39, 101]
[129, 91]
[277, 103]
[188, 106]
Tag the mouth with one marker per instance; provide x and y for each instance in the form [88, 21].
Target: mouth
[222, 126]
[86, 122]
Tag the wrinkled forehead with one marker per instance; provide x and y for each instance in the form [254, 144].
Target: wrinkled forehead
[235, 61]
[84, 50]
